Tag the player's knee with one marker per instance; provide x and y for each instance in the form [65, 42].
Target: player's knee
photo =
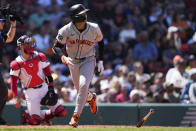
[34, 120]
[60, 111]
[84, 86]
[83, 82]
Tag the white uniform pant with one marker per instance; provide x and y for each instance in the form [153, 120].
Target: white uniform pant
[33, 98]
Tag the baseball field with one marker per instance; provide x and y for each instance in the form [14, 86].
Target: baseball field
[94, 128]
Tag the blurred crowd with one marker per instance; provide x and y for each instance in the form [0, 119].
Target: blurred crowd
[150, 47]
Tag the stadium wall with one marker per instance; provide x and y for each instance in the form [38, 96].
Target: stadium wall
[120, 114]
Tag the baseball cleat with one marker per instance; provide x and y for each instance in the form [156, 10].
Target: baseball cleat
[93, 104]
[74, 120]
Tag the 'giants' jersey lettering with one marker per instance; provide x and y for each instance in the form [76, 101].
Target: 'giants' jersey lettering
[82, 42]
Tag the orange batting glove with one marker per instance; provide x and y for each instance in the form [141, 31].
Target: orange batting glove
[63, 60]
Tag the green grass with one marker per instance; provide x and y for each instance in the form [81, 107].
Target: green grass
[103, 129]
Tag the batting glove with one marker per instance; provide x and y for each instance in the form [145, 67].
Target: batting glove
[100, 67]
[66, 60]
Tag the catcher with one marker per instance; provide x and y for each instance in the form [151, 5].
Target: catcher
[33, 71]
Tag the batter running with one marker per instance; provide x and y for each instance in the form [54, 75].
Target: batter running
[79, 37]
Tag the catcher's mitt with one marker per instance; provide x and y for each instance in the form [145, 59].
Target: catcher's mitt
[50, 98]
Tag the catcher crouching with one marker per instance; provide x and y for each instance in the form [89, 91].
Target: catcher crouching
[33, 71]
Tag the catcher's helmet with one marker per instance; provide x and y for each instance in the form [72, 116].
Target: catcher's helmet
[76, 13]
[20, 40]
[28, 42]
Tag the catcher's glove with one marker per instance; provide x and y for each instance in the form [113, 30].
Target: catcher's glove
[50, 98]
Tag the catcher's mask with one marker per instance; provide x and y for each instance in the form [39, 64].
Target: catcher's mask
[78, 13]
[28, 43]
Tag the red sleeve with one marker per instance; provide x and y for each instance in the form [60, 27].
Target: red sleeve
[42, 57]
[13, 85]
[15, 65]
[47, 73]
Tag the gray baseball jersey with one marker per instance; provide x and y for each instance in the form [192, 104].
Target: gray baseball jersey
[80, 44]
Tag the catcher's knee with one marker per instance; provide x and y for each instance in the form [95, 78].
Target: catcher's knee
[60, 111]
[34, 120]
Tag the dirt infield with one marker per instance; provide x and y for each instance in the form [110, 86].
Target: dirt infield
[93, 128]
[66, 126]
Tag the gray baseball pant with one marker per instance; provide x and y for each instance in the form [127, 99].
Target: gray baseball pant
[82, 72]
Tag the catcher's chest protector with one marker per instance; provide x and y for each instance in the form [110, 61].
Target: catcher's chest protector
[31, 71]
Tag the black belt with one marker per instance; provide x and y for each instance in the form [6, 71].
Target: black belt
[80, 58]
[35, 87]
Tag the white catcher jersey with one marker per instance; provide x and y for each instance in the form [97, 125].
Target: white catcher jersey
[80, 44]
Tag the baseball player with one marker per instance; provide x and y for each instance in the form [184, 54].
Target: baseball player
[79, 37]
[33, 71]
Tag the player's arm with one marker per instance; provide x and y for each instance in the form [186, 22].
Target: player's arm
[100, 40]
[45, 65]
[100, 57]
[51, 97]
[12, 31]
[49, 79]
[13, 82]
[48, 74]
[46, 70]
[57, 48]
[59, 43]
[101, 50]
[13, 85]
[14, 77]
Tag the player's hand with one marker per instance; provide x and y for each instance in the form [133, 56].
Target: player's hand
[17, 102]
[100, 67]
[66, 60]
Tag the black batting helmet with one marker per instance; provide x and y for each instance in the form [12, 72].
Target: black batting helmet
[76, 11]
